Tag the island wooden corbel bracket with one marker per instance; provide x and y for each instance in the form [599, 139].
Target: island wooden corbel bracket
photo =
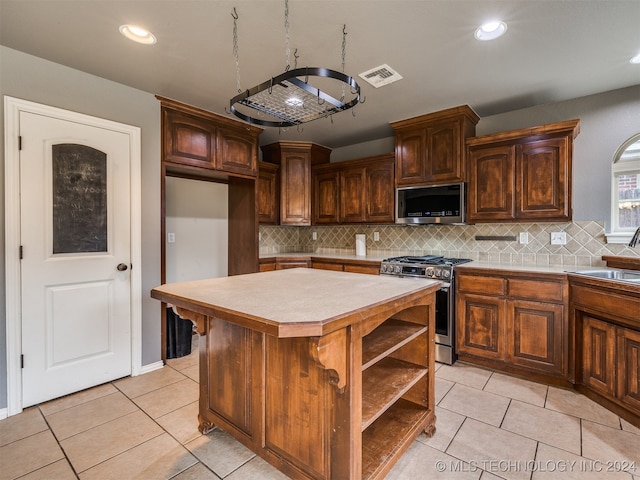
[330, 352]
[198, 319]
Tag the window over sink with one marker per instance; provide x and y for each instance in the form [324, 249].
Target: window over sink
[625, 191]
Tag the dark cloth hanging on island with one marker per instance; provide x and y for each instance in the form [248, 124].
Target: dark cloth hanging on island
[179, 335]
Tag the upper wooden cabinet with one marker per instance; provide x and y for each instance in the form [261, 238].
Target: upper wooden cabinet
[430, 149]
[353, 199]
[522, 175]
[268, 193]
[325, 203]
[295, 160]
[201, 142]
[355, 191]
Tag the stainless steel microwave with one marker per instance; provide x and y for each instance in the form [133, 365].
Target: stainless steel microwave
[444, 204]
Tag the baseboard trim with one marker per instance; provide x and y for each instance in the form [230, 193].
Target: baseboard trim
[151, 367]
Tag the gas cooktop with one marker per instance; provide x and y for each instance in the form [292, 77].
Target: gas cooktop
[427, 266]
[428, 260]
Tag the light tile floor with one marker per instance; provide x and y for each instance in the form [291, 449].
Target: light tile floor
[489, 426]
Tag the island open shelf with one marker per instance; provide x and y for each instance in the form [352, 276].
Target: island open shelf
[325, 375]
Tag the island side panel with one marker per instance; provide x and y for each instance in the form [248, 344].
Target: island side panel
[301, 401]
[230, 378]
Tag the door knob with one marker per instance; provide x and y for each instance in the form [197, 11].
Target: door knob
[122, 267]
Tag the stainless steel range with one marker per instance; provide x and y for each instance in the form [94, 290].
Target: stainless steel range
[434, 267]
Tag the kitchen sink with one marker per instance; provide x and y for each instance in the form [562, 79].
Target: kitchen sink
[632, 276]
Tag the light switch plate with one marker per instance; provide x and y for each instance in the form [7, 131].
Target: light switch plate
[314, 236]
[558, 238]
[171, 238]
[376, 236]
[524, 238]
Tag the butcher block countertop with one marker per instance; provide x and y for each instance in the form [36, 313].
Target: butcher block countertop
[293, 302]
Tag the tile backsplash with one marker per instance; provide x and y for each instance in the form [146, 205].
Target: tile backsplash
[585, 241]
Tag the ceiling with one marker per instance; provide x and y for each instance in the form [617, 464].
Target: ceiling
[553, 50]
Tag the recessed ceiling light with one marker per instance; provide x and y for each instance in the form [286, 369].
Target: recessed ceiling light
[138, 34]
[635, 60]
[490, 30]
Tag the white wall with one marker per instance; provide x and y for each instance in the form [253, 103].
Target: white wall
[31, 78]
[197, 215]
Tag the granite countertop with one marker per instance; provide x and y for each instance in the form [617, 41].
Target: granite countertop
[301, 297]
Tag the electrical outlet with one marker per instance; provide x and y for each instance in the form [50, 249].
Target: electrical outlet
[524, 238]
[171, 237]
[259, 236]
[558, 238]
[376, 236]
[314, 235]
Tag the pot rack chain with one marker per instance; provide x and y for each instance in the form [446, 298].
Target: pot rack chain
[344, 54]
[235, 48]
[287, 49]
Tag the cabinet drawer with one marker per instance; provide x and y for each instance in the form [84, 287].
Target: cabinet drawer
[478, 284]
[328, 266]
[368, 269]
[546, 291]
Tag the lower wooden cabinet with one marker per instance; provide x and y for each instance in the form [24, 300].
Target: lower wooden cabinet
[336, 264]
[628, 358]
[535, 335]
[353, 266]
[481, 325]
[598, 355]
[608, 348]
[514, 322]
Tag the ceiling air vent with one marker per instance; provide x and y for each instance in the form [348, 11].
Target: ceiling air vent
[380, 76]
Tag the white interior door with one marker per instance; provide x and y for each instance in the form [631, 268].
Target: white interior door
[75, 202]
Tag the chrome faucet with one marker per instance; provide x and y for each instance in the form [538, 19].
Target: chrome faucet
[635, 239]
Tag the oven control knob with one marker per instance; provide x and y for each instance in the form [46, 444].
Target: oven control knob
[430, 272]
[438, 273]
[447, 274]
[398, 269]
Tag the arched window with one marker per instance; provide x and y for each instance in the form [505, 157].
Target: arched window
[625, 191]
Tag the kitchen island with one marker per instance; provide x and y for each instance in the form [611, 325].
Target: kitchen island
[323, 374]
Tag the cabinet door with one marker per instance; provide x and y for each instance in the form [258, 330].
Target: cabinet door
[542, 181]
[535, 335]
[380, 200]
[481, 325]
[268, 193]
[188, 140]
[352, 195]
[491, 180]
[325, 197]
[628, 364]
[444, 162]
[410, 157]
[598, 353]
[237, 153]
[295, 200]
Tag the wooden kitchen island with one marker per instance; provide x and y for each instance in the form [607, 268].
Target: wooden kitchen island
[323, 374]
